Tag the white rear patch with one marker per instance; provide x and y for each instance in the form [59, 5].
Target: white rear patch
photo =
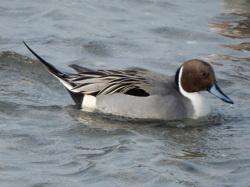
[89, 102]
[201, 108]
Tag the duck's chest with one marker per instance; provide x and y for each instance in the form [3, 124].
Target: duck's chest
[200, 106]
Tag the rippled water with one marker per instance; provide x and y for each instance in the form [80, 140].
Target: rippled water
[45, 141]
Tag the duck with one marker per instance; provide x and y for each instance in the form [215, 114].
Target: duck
[139, 93]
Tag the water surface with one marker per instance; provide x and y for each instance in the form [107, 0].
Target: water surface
[45, 141]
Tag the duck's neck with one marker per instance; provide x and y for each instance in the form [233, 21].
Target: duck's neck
[199, 105]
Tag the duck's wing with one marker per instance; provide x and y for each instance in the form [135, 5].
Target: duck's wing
[104, 82]
[137, 82]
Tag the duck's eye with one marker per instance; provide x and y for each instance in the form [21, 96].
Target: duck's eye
[204, 74]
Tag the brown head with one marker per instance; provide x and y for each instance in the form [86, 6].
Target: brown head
[196, 75]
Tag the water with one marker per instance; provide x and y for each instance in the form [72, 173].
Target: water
[45, 141]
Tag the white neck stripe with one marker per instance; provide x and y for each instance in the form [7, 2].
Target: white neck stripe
[200, 108]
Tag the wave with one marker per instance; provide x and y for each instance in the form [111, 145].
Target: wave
[24, 80]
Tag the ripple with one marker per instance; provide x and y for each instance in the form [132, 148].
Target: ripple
[182, 34]
[75, 169]
[96, 152]
[22, 68]
[44, 141]
[244, 46]
[27, 82]
[6, 168]
[43, 184]
[233, 29]
[98, 48]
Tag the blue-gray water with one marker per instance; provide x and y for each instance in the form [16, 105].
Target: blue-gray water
[45, 141]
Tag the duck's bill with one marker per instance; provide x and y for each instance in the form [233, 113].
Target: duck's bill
[216, 91]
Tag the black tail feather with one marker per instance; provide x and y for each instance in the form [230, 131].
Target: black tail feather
[77, 97]
[50, 67]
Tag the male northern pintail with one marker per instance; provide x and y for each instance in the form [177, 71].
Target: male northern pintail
[138, 93]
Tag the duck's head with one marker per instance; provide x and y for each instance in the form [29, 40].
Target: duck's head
[195, 76]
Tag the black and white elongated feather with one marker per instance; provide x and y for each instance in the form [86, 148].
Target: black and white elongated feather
[103, 82]
[98, 82]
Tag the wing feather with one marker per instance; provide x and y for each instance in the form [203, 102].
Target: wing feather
[105, 82]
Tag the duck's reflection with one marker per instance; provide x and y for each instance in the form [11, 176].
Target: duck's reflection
[186, 138]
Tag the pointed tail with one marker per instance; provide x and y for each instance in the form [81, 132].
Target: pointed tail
[55, 72]
[62, 77]
[50, 67]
